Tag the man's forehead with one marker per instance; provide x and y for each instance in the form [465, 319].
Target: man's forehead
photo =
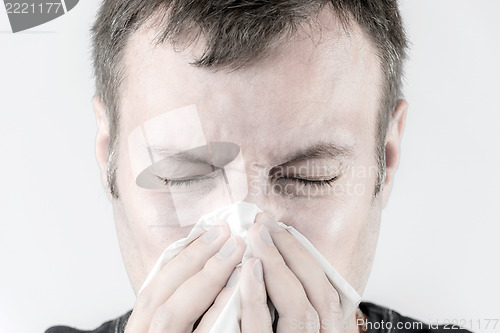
[162, 78]
[323, 38]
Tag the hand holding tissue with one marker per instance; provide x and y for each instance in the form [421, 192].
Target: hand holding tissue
[240, 216]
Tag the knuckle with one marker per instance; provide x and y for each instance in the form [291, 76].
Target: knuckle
[209, 275]
[143, 301]
[188, 255]
[308, 318]
[280, 266]
[162, 318]
[191, 257]
[311, 316]
[265, 323]
[331, 302]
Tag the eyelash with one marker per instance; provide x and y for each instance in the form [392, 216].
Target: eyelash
[318, 182]
[189, 182]
[186, 182]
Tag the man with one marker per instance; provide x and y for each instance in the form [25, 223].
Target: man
[310, 93]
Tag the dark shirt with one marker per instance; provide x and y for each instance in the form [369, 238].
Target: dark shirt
[380, 320]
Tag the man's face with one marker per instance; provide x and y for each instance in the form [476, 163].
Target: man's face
[311, 96]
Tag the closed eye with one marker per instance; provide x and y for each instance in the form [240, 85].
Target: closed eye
[316, 182]
[191, 181]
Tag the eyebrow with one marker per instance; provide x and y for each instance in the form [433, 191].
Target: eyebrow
[321, 150]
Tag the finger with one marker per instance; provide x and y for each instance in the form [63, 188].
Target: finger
[193, 297]
[214, 311]
[255, 316]
[183, 266]
[283, 287]
[320, 292]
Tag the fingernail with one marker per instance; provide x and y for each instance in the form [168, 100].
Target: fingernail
[265, 236]
[228, 248]
[233, 278]
[257, 270]
[211, 234]
[269, 222]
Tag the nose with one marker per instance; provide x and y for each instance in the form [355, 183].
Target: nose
[260, 192]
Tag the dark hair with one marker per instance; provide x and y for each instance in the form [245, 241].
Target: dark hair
[238, 32]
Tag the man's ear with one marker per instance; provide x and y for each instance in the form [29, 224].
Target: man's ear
[393, 146]
[102, 139]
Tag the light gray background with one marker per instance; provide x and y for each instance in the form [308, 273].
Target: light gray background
[439, 245]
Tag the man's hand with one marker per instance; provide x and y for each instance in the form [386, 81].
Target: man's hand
[188, 285]
[282, 268]
[295, 282]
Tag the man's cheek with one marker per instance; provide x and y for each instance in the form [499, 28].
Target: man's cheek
[334, 227]
[156, 209]
[156, 216]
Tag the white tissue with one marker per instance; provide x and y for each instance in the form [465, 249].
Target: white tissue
[240, 216]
